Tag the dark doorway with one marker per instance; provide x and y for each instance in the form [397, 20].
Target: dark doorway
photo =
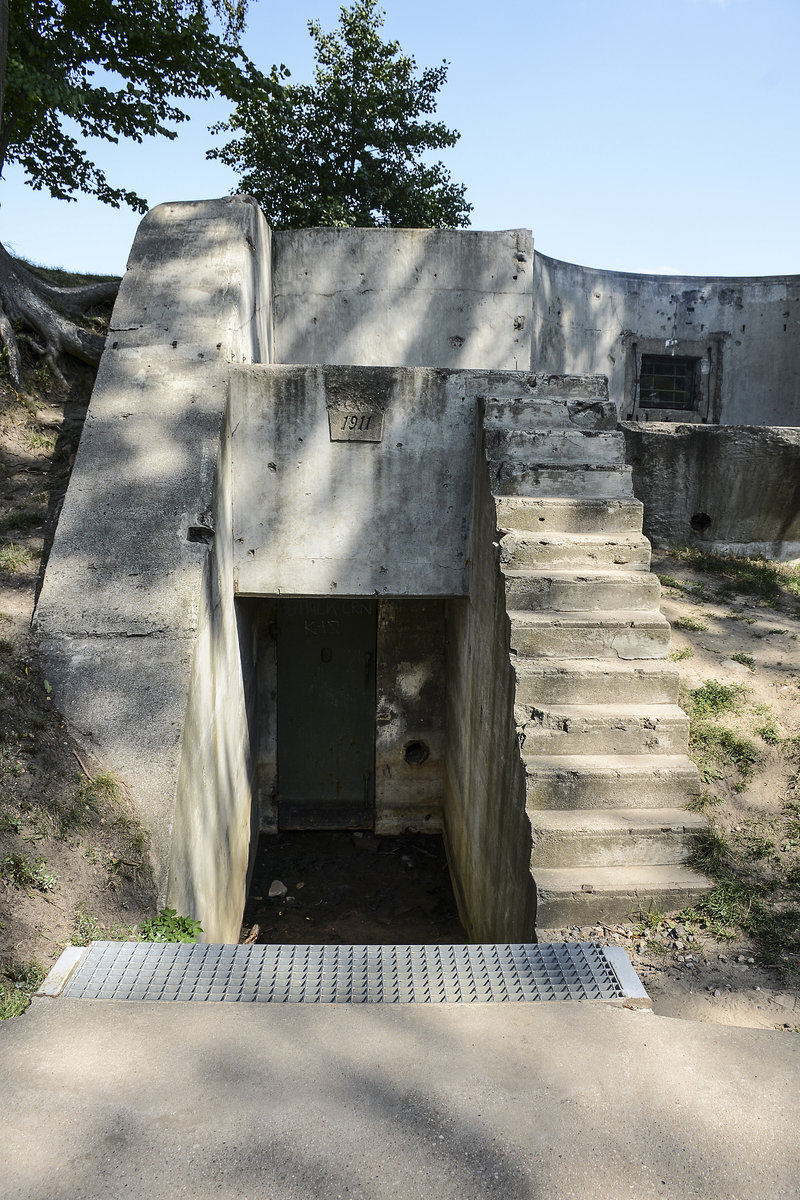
[326, 713]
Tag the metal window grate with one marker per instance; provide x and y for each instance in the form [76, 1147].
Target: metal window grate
[667, 382]
[430, 974]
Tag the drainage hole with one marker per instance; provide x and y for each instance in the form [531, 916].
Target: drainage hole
[416, 753]
[700, 522]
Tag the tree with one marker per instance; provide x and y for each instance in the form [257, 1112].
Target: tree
[106, 69]
[348, 149]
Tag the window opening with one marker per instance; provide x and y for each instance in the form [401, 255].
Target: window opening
[667, 381]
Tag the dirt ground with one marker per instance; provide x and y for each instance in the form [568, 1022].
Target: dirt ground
[351, 888]
[73, 858]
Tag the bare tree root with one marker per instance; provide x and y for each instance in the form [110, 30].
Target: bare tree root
[45, 311]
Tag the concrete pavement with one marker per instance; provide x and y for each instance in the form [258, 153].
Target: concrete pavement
[453, 1102]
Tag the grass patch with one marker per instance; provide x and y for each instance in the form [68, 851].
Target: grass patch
[704, 802]
[690, 624]
[18, 982]
[680, 655]
[670, 582]
[41, 441]
[766, 729]
[13, 557]
[27, 874]
[168, 926]
[749, 576]
[744, 660]
[715, 698]
[714, 747]
[711, 852]
[20, 520]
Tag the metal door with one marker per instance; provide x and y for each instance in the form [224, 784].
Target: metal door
[326, 713]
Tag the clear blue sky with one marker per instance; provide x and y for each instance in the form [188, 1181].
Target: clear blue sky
[643, 135]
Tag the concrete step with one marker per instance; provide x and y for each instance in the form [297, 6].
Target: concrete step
[536, 412]
[603, 729]
[510, 386]
[546, 446]
[581, 591]
[627, 634]
[562, 481]
[571, 781]
[523, 513]
[583, 895]
[595, 681]
[577, 550]
[612, 837]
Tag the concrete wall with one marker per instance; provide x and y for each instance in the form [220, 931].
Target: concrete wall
[314, 516]
[403, 297]
[589, 321]
[211, 832]
[487, 831]
[124, 613]
[728, 488]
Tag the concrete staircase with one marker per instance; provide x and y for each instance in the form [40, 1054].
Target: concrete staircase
[602, 737]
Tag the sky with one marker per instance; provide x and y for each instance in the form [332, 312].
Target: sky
[658, 136]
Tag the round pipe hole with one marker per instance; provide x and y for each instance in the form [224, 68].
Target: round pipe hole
[415, 753]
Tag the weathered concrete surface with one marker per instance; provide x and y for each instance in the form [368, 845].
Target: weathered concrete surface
[403, 297]
[487, 831]
[740, 484]
[462, 1102]
[313, 516]
[126, 585]
[588, 320]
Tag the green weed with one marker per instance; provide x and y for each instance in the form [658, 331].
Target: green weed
[755, 576]
[745, 660]
[710, 851]
[690, 624]
[13, 558]
[680, 655]
[714, 746]
[168, 926]
[19, 871]
[715, 698]
[704, 802]
[670, 582]
[41, 441]
[17, 984]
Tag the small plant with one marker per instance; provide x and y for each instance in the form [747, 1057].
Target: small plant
[710, 851]
[680, 655]
[19, 871]
[41, 441]
[669, 581]
[767, 729]
[714, 746]
[18, 982]
[86, 927]
[649, 920]
[734, 616]
[690, 624]
[745, 660]
[704, 802]
[168, 926]
[13, 557]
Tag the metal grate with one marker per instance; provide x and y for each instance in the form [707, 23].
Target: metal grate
[351, 974]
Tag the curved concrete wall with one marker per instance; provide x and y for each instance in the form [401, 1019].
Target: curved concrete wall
[746, 332]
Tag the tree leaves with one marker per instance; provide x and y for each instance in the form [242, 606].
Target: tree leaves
[350, 148]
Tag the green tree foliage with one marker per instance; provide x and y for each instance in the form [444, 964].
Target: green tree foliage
[108, 69]
[350, 148]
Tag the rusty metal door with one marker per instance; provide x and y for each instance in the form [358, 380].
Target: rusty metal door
[326, 713]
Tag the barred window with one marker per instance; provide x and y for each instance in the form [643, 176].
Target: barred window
[666, 381]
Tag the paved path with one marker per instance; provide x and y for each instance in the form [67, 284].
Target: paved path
[296, 1102]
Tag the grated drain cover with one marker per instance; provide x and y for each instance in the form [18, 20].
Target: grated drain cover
[430, 974]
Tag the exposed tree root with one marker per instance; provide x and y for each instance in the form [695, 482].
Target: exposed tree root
[44, 311]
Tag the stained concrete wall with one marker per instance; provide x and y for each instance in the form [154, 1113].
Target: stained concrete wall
[313, 516]
[403, 297]
[126, 611]
[586, 321]
[728, 488]
[487, 831]
[410, 713]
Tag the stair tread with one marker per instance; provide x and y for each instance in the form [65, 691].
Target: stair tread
[621, 617]
[568, 538]
[579, 574]
[637, 876]
[600, 666]
[634, 764]
[615, 820]
[570, 501]
[652, 711]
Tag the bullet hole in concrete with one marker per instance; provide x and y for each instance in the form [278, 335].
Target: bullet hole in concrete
[700, 522]
[415, 753]
[200, 533]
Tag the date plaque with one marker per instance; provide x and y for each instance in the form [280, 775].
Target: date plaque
[355, 424]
